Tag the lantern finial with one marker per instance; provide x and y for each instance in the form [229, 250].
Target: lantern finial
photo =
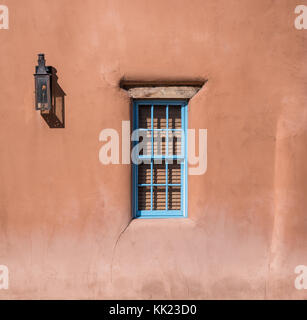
[41, 64]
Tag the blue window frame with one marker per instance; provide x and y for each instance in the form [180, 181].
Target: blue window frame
[160, 147]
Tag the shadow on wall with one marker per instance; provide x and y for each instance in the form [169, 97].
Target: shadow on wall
[55, 117]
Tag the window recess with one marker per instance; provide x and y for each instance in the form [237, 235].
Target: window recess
[160, 178]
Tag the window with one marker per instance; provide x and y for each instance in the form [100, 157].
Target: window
[160, 175]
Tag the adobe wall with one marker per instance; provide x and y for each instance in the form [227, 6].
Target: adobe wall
[62, 212]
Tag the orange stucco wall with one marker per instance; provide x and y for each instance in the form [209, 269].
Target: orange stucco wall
[62, 212]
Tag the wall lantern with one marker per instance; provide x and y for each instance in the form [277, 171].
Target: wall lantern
[42, 84]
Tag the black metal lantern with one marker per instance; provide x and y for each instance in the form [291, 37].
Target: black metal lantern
[42, 84]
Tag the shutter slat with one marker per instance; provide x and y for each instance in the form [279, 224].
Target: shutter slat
[144, 198]
[174, 173]
[174, 198]
[174, 117]
[174, 143]
[159, 173]
[159, 117]
[144, 176]
[145, 117]
[158, 198]
[145, 138]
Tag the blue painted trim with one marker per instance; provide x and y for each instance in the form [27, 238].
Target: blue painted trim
[160, 157]
[159, 185]
[159, 214]
[144, 129]
[166, 163]
[182, 164]
[185, 198]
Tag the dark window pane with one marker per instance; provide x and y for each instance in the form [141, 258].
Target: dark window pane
[174, 173]
[144, 198]
[174, 198]
[159, 142]
[159, 173]
[144, 175]
[174, 143]
[174, 117]
[159, 198]
[159, 117]
[145, 117]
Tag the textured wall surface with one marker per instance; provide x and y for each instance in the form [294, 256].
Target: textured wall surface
[62, 212]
